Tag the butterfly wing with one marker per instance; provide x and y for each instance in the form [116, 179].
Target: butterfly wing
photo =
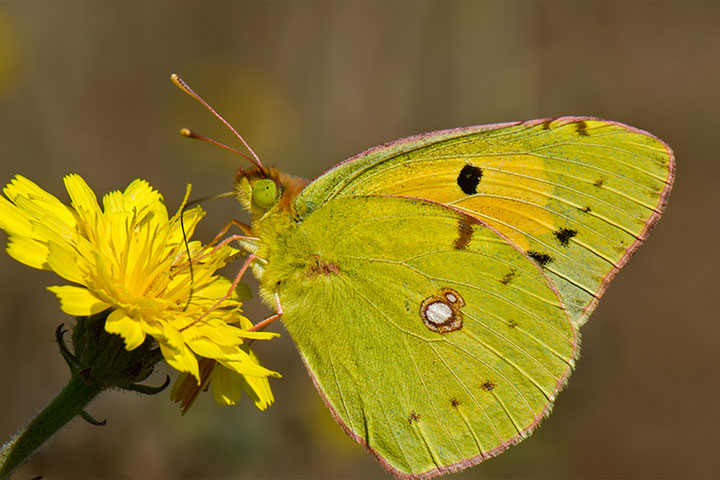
[435, 342]
[578, 195]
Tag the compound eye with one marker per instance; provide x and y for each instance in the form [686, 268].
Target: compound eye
[264, 193]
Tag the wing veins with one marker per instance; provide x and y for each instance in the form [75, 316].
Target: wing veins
[429, 399]
[499, 374]
[512, 364]
[539, 180]
[474, 399]
[439, 279]
[514, 344]
[478, 341]
[342, 400]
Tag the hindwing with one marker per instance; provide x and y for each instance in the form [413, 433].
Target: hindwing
[435, 341]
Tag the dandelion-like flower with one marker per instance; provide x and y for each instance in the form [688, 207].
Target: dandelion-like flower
[130, 258]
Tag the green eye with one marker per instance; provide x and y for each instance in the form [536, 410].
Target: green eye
[264, 193]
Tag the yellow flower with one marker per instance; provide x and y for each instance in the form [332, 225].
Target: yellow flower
[130, 257]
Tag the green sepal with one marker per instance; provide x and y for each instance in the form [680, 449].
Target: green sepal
[100, 358]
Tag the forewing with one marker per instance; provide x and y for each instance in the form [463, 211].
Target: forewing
[435, 342]
[578, 195]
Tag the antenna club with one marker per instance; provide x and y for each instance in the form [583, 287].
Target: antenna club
[180, 83]
[186, 132]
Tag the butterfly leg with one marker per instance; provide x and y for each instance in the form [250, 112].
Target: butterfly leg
[242, 226]
[235, 282]
[246, 229]
[202, 254]
[278, 313]
[186, 389]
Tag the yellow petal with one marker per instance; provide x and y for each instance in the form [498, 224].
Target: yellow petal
[78, 301]
[227, 386]
[45, 209]
[20, 185]
[81, 195]
[258, 388]
[172, 337]
[127, 327]
[113, 202]
[118, 230]
[247, 366]
[12, 220]
[182, 360]
[28, 251]
[215, 290]
[141, 196]
[65, 263]
[190, 220]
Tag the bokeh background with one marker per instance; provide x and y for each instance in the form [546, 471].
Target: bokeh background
[84, 88]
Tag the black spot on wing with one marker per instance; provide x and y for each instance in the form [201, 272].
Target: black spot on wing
[564, 235]
[599, 182]
[488, 385]
[469, 178]
[454, 402]
[465, 232]
[512, 323]
[542, 259]
[581, 128]
[508, 277]
[546, 124]
[413, 417]
[586, 209]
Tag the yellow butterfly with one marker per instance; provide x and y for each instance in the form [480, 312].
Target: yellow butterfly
[435, 285]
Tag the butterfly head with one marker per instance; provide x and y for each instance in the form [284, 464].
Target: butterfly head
[264, 189]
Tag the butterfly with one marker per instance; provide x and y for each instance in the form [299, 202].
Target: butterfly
[435, 285]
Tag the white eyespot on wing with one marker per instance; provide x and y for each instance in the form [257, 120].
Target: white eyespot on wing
[438, 313]
[441, 312]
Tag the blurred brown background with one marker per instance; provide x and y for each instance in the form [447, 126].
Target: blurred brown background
[84, 88]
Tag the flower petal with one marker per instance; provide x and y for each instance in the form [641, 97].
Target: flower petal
[78, 301]
[249, 367]
[82, 197]
[12, 220]
[227, 386]
[127, 327]
[20, 185]
[43, 209]
[258, 388]
[28, 251]
[63, 262]
[140, 196]
[130, 253]
[181, 359]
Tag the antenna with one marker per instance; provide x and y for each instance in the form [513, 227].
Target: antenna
[180, 83]
[186, 132]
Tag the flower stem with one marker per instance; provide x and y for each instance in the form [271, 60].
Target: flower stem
[71, 401]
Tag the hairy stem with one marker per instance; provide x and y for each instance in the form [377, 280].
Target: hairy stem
[71, 401]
